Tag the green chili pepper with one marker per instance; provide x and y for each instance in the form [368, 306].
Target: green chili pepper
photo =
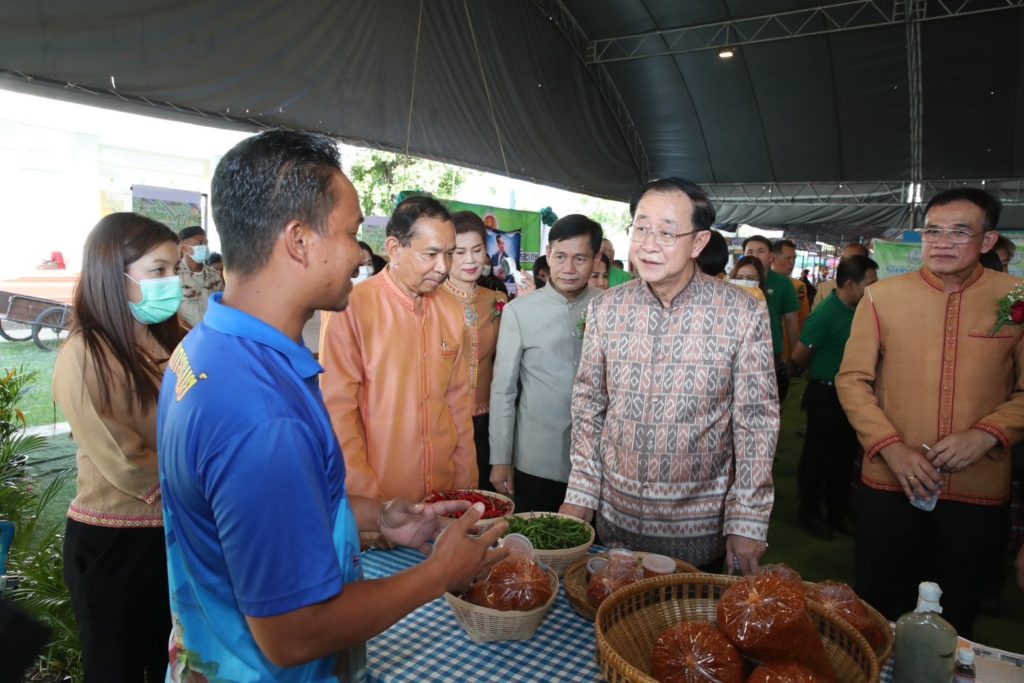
[550, 532]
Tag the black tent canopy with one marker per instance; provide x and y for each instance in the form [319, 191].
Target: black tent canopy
[837, 113]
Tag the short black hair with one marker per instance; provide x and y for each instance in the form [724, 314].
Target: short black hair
[854, 268]
[713, 259]
[410, 210]
[980, 198]
[215, 257]
[703, 213]
[264, 182]
[575, 225]
[1004, 243]
[990, 259]
[777, 245]
[541, 264]
[190, 231]
[618, 263]
[758, 238]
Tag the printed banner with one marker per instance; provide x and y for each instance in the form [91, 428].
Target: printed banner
[896, 258]
[176, 209]
[526, 223]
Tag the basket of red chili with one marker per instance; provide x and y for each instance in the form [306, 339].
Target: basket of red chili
[496, 506]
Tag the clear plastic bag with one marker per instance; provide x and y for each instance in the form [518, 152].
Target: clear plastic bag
[783, 672]
[517, 583]
[841, 599]
[786, 573]
[766, 618]
[623, 568]
[695, 652]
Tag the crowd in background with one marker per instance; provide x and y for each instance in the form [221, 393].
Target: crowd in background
[646, 402]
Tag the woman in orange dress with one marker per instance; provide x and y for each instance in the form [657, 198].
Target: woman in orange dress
[482, 314]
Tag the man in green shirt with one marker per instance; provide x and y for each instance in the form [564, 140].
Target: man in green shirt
[616, 275]
[783, 306]
[831, 446]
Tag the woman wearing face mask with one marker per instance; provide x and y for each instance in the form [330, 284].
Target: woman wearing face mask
[481, 310]
[106, 381]
[748, 273]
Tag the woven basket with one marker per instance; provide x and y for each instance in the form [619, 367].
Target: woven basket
[486, 625]
[575, 581]
[559, 560]
[485, 524]
[885, 650]
[630, 621]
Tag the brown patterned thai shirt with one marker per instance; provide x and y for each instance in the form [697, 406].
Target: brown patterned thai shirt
[675, 419]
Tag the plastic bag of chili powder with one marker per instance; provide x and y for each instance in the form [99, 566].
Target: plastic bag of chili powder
[695, 652]
[766, 618]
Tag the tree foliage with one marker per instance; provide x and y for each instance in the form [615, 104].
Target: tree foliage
[379, 177]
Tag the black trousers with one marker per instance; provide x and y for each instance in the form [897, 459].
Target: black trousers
[898, 546]
[537, 494]
[481, 436]
[781, 377]
[826, 464]
[118, 584]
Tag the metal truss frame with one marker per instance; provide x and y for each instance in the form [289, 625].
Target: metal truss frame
[893, 192]
[559, 14]
[832, 18]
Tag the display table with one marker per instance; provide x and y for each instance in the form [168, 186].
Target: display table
[429, 645]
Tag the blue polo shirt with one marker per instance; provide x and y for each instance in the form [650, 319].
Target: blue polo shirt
[253, 484]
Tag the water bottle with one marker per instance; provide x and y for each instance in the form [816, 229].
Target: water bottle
[925, 642]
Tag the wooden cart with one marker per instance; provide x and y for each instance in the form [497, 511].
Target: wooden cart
[44, 321]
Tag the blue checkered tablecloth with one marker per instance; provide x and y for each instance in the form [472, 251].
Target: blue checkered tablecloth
[429, 645]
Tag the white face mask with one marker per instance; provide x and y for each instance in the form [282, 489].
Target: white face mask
[200, 253]
[749, 284]
[363, 273]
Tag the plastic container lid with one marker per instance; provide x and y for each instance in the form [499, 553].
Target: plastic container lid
[596, 564]
[518, 544]
[965, 655]
[659, 564]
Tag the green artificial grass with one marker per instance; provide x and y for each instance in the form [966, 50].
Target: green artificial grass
[38, 406]
[817, 560]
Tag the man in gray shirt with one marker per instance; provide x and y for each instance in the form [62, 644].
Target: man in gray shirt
[539, 346]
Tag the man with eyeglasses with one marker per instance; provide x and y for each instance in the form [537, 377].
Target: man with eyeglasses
[675, 414]
[935, 389]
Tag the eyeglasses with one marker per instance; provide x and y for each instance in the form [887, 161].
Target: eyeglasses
[954, 236]
[639, 233]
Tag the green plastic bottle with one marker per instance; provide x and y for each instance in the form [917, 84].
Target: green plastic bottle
[925, 642]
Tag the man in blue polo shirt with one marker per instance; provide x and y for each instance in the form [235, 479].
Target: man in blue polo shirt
[262, 539]
[826, 463]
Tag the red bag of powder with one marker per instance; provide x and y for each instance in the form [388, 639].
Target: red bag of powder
[783, 672]
[517, 583]
[841, 599]
[766, 618]
[695, 652]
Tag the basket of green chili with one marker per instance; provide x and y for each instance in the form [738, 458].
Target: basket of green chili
[558, 540]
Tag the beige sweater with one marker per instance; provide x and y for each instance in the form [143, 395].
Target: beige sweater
[118, 481]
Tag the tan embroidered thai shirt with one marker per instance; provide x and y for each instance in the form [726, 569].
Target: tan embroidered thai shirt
[922, 364]
[675, 418]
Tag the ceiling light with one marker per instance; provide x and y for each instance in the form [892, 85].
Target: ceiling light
[726, 53]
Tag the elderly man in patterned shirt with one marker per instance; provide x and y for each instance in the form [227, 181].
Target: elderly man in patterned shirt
[675, 409]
